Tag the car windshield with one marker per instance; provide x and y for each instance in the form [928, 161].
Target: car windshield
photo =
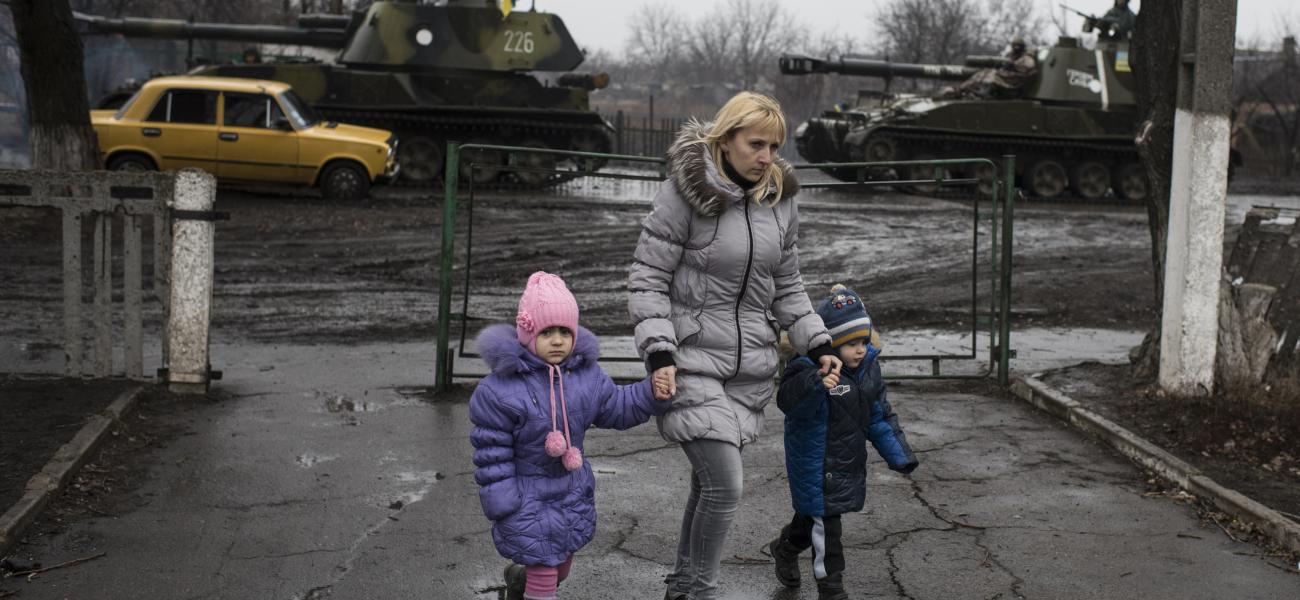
[297, 110]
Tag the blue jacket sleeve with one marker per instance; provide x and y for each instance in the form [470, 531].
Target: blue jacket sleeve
[626, 406]
[801, 389]
[494, 454]
[886, 434]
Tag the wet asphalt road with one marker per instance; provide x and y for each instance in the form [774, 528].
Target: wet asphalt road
[326, 472]
[329, 472]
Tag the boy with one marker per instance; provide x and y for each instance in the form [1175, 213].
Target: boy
[828, 420]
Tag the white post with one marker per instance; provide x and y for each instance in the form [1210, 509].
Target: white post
[1197, 199]
[191, 285]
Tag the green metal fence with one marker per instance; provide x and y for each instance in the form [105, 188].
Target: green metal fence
[993, 205]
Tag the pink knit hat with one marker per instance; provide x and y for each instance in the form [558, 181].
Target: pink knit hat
[546, 303]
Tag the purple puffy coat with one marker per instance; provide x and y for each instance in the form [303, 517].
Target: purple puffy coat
[540, 512]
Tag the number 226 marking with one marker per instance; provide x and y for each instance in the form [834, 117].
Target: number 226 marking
[520, 42]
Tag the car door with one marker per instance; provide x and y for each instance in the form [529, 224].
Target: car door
[182, 130]
[256, 142]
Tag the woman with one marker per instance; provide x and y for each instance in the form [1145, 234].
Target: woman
[715, 277]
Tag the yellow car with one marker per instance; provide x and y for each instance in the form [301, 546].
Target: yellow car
[244, 130]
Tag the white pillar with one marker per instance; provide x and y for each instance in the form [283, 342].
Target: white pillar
[1198, 197]
[191, 284]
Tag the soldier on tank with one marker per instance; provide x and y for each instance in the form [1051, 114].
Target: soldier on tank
[1117, 23]
[1003, 81]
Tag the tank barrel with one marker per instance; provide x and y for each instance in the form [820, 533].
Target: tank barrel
[323, 21]
[985, 61]
[792, 64]
[177, 29]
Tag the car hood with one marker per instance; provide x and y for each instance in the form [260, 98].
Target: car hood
[344, 132]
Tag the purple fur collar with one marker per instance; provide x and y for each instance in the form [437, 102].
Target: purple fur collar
[503, 353]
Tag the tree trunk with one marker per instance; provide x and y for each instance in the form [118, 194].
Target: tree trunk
[51, 55]
[1155, 51]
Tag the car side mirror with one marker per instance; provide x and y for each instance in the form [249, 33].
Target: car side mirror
[281, 123]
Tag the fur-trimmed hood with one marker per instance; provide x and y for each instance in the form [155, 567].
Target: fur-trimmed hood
[698, 179]
[501, 350]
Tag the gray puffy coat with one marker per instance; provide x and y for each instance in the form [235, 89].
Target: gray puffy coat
[713, 280]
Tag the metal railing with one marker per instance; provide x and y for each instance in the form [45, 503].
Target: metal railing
[998, 214]
[103, 199]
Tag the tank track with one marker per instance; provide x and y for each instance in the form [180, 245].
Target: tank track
[910, 144]
[447, 127]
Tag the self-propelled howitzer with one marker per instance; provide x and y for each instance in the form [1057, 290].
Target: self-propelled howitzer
[1071, 124]
[431, 73]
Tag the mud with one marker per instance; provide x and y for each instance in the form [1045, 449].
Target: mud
[297, 269]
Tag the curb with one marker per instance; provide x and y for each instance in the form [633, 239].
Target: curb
[1155, 458]
[61, 468]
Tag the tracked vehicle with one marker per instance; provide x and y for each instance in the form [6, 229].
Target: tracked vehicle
[1071, 125]
[431, 73]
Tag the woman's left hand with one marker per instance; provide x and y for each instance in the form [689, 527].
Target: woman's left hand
[830, 364]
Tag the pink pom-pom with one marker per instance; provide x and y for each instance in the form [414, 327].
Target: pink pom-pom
[572, 459]
[555, 444]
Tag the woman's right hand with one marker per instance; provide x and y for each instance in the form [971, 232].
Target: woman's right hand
[664, 380]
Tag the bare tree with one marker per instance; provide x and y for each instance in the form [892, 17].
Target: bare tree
[946, 31]
[654, 41]
[1154, 57]
[709, 50]
[764, 31]
[51, 57]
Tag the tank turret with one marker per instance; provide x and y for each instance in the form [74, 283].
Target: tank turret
[1070, 119]
[432, 73]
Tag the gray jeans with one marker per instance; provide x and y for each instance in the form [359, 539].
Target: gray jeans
[717, 481]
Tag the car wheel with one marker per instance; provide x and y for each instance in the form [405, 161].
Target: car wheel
[344, 181]
[136, 163]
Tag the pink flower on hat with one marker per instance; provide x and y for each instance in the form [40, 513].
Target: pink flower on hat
[524, 322]
[546, 302]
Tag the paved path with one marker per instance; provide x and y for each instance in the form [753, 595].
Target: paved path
[327, 476]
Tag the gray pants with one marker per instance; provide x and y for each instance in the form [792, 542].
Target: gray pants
[717, 481]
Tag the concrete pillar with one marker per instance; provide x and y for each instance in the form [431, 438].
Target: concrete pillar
[191, 285]
[1198, 197]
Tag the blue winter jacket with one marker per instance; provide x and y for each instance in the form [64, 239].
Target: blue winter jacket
[826, 433]
[540, 512]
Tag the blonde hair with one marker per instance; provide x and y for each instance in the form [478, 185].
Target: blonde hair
[744, 110]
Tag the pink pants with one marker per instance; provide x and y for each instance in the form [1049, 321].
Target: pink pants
[542, 580]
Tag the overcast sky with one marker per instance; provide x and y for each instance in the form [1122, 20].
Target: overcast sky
[603, 23]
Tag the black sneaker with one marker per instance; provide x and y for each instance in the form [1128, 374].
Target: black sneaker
[671, 595]
[826, 592]
[515, 580]
[787, 567]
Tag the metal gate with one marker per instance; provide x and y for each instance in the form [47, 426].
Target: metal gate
[107, 201]
[992, 207]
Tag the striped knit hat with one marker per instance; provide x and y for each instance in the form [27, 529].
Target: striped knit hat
[845, 316]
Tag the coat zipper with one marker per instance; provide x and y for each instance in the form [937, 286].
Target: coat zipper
[744, 284]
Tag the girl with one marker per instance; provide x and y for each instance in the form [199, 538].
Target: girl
[530, 417]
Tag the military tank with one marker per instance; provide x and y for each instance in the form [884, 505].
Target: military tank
[458, 71]
[1071, 125]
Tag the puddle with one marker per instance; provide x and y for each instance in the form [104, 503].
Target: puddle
[404, 397]
[310, 460]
